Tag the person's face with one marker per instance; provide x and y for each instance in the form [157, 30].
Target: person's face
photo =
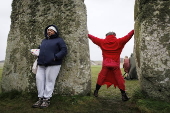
[50, 32]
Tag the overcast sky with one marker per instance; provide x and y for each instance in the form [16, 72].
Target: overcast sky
[102, 16]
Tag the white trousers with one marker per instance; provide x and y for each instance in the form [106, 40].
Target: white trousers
[45, 80]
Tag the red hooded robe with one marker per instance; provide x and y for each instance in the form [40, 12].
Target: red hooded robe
[111, 48]
[126, 65]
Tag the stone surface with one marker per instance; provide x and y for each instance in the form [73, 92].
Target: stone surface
[152, 47]
[132, 70]
[28, 21]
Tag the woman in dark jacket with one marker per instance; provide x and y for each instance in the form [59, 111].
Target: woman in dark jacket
[52, 51]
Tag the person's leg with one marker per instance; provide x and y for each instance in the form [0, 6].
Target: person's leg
[98, 86]
[124, 96]
[40, 80]
[96, 90]
[51, 75]
[100, 80]
[121, 83]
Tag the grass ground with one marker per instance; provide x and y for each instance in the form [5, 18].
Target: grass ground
[109, 101]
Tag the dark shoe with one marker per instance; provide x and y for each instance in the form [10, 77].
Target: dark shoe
[38, 103]
[96, 93]
[124, 97]
[45, 103]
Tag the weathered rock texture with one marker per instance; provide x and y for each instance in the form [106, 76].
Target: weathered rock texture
[28, 20]
[152, 47]
[132, 70]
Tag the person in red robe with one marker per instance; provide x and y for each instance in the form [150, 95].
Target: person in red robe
[111, 48]
[126, 66]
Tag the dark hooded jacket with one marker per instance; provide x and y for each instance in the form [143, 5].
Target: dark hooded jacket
[52, 49]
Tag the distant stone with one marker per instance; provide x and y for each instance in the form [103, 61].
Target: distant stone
[132, 70]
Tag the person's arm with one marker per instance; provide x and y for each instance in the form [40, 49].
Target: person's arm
[63, 50]
[95, 40]
[126, 38]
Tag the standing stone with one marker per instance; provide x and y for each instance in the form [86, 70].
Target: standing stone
[28, 21]
[152, 47]
[132, 70]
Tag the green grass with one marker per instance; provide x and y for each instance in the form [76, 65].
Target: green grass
[109, 101]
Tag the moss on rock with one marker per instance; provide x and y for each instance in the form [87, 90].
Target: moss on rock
[152, 19]
[28, 21]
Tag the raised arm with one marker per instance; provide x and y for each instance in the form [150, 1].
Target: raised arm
[95, 40]
[126, 38]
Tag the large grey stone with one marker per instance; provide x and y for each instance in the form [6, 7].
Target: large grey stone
[28, 20]
[152, 47]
